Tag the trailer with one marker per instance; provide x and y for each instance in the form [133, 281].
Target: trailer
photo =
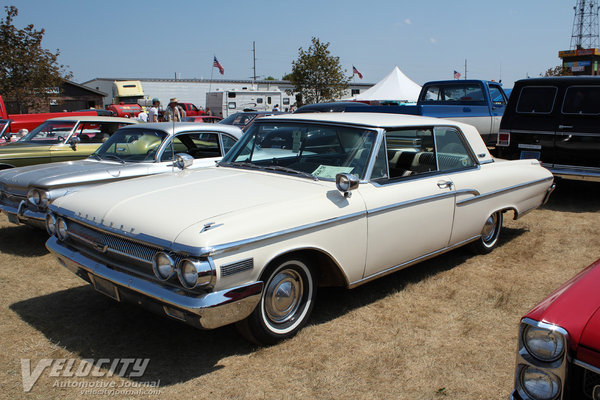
[223, 104]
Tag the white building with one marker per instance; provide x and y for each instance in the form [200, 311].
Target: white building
[194, 90]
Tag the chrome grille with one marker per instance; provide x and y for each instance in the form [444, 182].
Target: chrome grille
[105, 243]
[236, 267]
[10, 199]
[590, 380]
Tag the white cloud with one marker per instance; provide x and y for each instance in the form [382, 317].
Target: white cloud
[407, 21]
[432, 40]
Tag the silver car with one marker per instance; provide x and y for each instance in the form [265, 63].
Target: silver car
[133, 151]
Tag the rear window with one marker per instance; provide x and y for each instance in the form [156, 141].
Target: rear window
[582, 100]
[536, 99]
[454, 94]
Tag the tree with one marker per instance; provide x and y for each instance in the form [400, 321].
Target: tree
[28, 72]
[317, 75]
[559, 70]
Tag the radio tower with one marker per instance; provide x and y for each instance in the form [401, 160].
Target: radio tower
[585, 25]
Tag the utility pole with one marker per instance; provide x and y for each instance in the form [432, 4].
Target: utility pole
[254, 60]
[465, 68]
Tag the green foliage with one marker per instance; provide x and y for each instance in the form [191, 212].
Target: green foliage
[559, 70]
[317, 75]
[269, 78]
[27, 71]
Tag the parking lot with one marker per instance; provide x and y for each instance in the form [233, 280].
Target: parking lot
[445, 328]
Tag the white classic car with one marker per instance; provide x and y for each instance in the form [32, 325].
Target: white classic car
[301, 201]
[131, 152]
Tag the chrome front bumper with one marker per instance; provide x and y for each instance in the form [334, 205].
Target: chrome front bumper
[207, 311]
[23, 215]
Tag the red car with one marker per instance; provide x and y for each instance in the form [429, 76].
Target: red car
[211, 119]
[558, 356]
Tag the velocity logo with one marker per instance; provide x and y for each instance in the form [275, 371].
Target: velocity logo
[71, 367]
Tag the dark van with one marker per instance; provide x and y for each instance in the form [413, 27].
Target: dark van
[557, 121]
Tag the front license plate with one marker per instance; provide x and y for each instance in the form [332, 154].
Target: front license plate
[14, 218]
[105, 287]
[530, 154]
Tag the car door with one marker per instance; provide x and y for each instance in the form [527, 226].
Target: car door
[577, 138]
[498, 102]
[410, 204]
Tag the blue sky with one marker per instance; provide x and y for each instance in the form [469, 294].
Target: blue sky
[427, 39]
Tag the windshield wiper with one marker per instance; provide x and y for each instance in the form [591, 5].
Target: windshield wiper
[96, 156]
[235, 164]
[113, 157]
[291, 171]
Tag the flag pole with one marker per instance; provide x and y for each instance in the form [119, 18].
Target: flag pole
[211, 74]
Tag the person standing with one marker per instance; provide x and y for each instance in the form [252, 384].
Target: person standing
[174, 111]
[153, 114]
[143, 115]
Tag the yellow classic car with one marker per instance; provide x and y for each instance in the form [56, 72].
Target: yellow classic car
[61, 139]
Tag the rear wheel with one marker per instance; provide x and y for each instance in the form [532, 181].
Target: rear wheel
[489, 234]
[286, 303]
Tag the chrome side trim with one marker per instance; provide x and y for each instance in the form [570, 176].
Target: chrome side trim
[501, 191]
[420, 200]
[219, 249]
[409, 263]
[530, 132]
[587, 366]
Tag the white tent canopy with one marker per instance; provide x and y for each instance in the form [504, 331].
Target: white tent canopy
[395, 86]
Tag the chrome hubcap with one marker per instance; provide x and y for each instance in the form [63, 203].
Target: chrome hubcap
[490, 227]
[283, 296]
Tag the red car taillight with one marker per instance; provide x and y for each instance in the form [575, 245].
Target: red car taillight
[503, 138]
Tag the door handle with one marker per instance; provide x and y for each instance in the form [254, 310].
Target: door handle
[445, 184]
[565, 127]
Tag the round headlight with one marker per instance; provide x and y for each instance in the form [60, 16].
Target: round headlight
[61, 229]
[544, 344]
[163, 266]
[34, 197]
[539, 384]
[43, 203]
[50, 224]
[195, 273]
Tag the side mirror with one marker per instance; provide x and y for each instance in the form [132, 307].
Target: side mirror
[183, 160]
[345, 183]
[8, 136]
[73, 142]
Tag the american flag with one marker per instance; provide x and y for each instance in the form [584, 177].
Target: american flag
[357, 72]
[456, 74]
[217, 64]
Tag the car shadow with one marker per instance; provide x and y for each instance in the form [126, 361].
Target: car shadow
[23, 240]
[333, 302]
[90, 325]
[575, 196]
[93, 326]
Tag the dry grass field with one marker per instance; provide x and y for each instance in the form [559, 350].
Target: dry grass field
[443, 329]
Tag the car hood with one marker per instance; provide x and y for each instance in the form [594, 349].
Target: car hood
[68, 173]
[173, 208]
[574, 306]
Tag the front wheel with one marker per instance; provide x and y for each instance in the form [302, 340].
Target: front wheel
[489, 234]
[286, 303]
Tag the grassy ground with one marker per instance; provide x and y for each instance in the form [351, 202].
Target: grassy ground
[443, 329]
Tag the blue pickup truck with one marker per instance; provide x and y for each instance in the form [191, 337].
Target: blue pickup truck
[476, 102]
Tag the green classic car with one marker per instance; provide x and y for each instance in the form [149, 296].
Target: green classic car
[61, 139]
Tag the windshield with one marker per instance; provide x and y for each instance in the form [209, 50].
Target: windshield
[239, 119]
[131, 145]
[50, 132]
[317, 149]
